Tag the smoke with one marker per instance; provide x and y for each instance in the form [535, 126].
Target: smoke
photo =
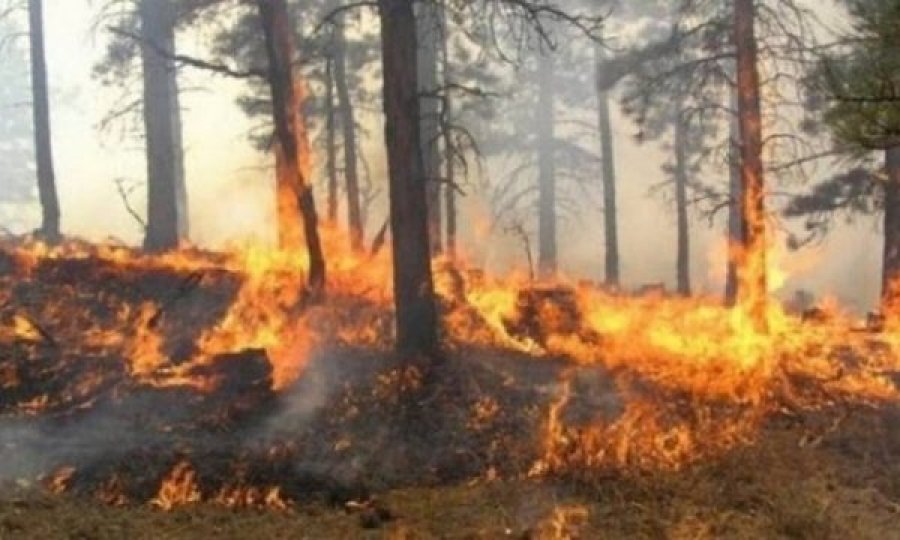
[32, 447]
[229, 184]
[134, 419]
[298, 404]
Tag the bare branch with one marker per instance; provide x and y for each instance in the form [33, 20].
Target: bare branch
[124, 194]
[332, 16]
[220, 69]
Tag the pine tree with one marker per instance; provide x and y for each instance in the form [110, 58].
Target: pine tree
[855, 89]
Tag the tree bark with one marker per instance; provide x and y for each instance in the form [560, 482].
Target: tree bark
[348, 127]
[428, 35]
[166, 192]
[413, 283]
[41, 109]
[610, 208]
[735, 220]
[451, 211]
[292, 151]
[683, 270]
[890, 272]
[181, 193]
[752, 291]
[449, 151]
[546, 141]
[331, 142]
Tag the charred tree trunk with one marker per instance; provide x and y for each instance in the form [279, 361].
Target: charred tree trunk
[735, 219]
[428, 35]
[683, 271]
[181, 193]
[890, 272]
[41, 109]
[610, 209]
[348, 127]
[450, 201]
[546, 141]
[288, 168]
[291, 146]
[413, 284]
[166, 191]
[449, 147]
[331, 142]
[752, 291]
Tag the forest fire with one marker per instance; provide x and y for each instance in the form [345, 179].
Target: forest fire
[469, 368]
[653, 382]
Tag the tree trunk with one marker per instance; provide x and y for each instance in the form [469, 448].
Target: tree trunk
[681, 205]
[41, 110]
[348, 126]
[166, 192]
[413, 284]
[546, 119]
[752, 290]
[449, 150]
[287, 205]
[331, 142]
[890, 272]
[610, 214]
[735, 221]
[450, 201]
[181, 194]
[429, 39]
[288, 168]
[292, 151]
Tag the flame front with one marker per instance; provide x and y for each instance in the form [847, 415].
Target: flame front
[694, 377]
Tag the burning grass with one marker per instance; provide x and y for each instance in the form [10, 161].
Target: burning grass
[770, 490]
[201, 377]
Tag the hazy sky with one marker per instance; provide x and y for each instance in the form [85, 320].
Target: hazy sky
[230, 191]
[88, 161]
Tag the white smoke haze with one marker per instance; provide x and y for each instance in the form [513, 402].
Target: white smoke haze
[112, 429]
[230, 195]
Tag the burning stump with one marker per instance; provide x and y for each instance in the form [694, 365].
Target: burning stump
[542, 312]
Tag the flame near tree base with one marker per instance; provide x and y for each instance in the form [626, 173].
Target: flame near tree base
[201, 376]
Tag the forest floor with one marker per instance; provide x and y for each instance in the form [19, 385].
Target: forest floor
[88, 450]
[845, 488]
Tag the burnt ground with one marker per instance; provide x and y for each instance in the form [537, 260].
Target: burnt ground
[361, 448]
[840, 489]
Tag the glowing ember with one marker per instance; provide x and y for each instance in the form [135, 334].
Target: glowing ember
[565, 523]
[251, 497]
[58, 482]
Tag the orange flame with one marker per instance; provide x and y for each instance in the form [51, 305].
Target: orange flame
[178, 488]
[694, 377]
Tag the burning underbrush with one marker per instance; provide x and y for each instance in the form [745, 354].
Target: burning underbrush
[200, 376]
